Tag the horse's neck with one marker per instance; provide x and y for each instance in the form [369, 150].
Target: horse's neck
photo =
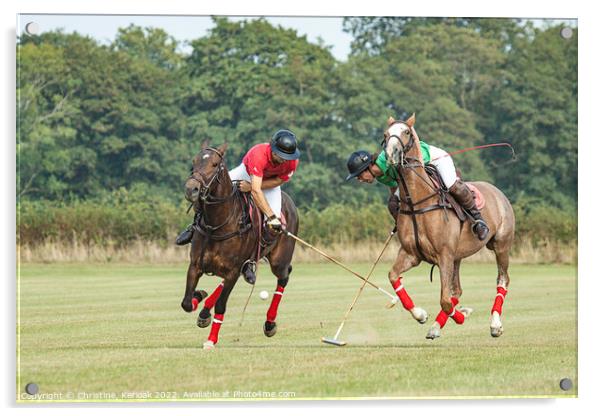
[416, 179]
[216, 214]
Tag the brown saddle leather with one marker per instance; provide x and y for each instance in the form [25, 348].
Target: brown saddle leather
[447, 198]
[254, 215]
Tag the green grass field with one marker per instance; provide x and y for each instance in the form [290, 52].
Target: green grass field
[89, 331]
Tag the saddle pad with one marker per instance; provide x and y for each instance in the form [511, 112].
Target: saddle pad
[478, 196]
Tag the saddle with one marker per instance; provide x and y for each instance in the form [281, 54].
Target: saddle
[252, 215]
[446, 198]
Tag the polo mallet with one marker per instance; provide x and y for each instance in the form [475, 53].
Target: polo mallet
[335, 340]
[393, 299]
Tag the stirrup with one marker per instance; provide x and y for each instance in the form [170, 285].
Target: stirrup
[474, 229]
[248, 271]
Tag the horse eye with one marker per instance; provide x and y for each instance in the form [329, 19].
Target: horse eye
[215, 164]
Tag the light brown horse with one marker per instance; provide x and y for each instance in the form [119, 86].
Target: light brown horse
[437, 235]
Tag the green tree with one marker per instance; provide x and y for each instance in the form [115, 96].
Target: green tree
[249, 79]
[537, 110]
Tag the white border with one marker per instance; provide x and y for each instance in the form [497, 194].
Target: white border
[589, 113]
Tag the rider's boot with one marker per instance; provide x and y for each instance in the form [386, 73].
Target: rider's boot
[464, 196]
[185, 236]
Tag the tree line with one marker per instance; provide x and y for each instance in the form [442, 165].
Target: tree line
[95, 119]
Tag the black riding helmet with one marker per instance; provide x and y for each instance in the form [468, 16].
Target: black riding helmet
[284, 144]
[357, 163]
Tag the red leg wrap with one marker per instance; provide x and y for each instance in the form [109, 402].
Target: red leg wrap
[215, 327]
[405, 299]
[195, 304]
[456, 315]
[499, 300]
[442, 317]
[273, 311]
[210, 301]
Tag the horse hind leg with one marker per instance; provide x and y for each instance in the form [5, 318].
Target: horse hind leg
[282, 273]
[503, 281]
[280, 259]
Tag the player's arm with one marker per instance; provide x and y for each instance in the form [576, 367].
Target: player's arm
[272, 182]
[259, 197]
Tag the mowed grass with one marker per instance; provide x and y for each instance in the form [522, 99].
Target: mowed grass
[119, 328]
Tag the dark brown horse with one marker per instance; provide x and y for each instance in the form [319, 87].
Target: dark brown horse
[224, 239]
[437, 235]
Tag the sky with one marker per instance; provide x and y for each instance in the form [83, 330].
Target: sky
[186, 28]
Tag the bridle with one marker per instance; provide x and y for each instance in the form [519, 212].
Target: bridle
[405, 148]
[205, 187]
[205, 196]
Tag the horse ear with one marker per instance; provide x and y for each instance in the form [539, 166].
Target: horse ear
[223, 148]
[410, 121]
[390, 121]
[205, 144]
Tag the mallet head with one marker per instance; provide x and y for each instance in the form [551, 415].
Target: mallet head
[332, 341]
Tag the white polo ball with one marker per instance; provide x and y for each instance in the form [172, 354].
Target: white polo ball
[264, 294]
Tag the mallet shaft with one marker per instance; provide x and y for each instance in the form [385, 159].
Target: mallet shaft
[338, 263]
[359, 292]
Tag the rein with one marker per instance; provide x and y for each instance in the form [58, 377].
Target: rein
[206, 198]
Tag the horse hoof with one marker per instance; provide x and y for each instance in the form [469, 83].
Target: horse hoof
[208, 345]
[204, 319]
[496, 325]
[466, 311]
[420, 315]
[497, 332]
[434, 332]
[269, 328]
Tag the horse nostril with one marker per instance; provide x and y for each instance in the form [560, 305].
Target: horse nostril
[195, 190]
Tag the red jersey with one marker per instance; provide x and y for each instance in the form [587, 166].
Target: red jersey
[258, 162]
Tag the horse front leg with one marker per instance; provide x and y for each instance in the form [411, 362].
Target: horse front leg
[403, 263]
[456, 292]
[447, 300]
[204, 319]
[220, 311]
[192, 279]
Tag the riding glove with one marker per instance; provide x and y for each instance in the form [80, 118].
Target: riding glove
[274, 223]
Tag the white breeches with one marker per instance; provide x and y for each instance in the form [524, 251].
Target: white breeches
[273, 195]
[444, 164]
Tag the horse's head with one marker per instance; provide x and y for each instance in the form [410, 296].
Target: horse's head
[399, 139]
[207, 166]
